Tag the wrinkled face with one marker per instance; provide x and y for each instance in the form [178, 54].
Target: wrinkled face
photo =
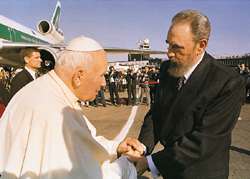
[90, 80]
[182, 49]
[33, 61]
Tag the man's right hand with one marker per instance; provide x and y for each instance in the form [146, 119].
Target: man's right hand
[131, 147]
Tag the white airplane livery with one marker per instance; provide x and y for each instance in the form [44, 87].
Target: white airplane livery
[48, 38]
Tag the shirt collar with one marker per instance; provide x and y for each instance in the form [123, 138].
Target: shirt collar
[69, 94]
[32, 72]
[190, 71]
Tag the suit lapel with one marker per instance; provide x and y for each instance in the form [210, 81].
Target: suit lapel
[28, 75]
[186, 95]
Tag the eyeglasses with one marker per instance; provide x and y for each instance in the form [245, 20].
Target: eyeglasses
[174, 47]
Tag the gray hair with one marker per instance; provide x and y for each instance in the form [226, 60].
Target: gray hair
[199, 23]
[72, 59]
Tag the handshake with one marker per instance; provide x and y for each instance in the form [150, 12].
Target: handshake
[134, 150]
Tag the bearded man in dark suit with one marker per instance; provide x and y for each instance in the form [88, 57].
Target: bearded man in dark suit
[32, 59]
[196, 107]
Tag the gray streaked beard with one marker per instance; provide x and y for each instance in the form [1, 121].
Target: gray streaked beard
[177, 69]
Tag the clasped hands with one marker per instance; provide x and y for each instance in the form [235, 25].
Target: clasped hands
[134, 151]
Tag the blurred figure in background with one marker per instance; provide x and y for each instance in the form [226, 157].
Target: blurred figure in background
[113, 86]
[32, 59]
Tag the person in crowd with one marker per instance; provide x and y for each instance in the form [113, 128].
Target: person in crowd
[197, 104]
[102, 96]
[144, 84]
[44, 133]
[113, 86]
[4, 93]
[32, 59]
[138, 87]
[131, 86]
[124, 81]
[153, 81]
[119, 81]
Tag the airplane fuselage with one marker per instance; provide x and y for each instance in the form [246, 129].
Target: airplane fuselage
[15, 32]
[14, 37]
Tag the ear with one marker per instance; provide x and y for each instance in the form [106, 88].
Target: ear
[26, 60]
[77, 77]
[202, 44]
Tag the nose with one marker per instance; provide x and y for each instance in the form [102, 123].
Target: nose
[170, 54]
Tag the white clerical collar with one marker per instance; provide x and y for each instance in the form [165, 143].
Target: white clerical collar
[190, 71]
[67, 92]
[32, 72]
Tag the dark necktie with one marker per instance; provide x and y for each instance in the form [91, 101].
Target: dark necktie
[180, 82]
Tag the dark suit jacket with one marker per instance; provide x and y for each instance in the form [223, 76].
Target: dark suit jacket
[4, 94]
[194, 124]
[20, 80]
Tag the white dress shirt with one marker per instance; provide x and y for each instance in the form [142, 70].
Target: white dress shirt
[31, 72]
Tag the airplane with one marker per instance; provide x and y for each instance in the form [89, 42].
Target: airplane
[48, 38]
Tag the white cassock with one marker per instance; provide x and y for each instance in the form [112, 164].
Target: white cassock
[43, 134]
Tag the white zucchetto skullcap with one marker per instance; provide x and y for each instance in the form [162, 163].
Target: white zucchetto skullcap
[83, 44]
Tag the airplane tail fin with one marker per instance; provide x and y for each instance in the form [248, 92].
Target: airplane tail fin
[56, 15]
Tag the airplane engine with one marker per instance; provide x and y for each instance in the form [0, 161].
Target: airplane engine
[49, 57]
[47, 29]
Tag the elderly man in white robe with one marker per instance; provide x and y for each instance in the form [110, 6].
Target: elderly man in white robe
[43, 132]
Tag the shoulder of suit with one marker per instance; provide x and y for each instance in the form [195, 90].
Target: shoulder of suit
[218, 68]
[223, 74]
[223, 70]
[20, 75]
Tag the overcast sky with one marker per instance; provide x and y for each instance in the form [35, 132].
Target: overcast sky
[117, 23]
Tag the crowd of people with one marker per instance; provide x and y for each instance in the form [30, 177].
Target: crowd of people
[5, 78]
[128, 87]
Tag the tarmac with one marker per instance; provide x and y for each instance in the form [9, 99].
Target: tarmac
[109, 121]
